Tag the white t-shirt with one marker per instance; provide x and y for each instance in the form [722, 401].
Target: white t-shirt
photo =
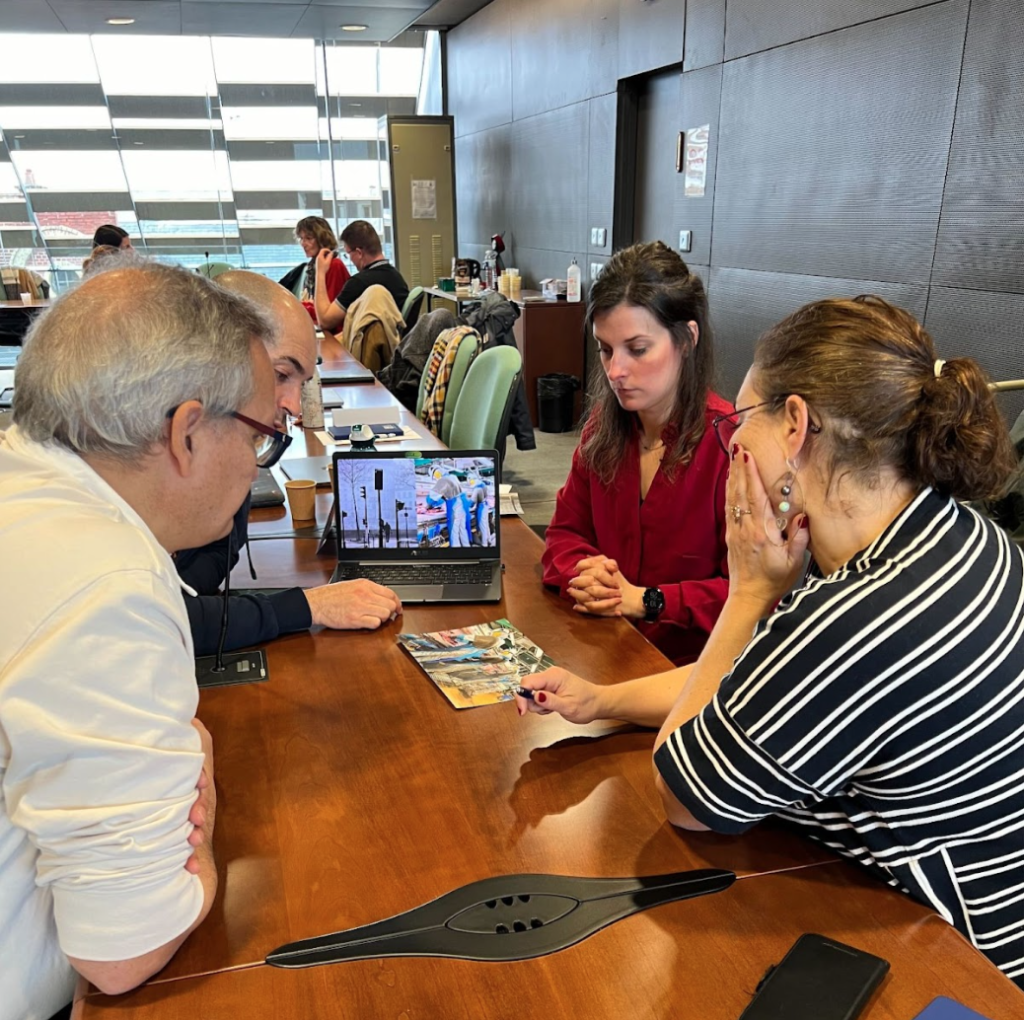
[98, 757]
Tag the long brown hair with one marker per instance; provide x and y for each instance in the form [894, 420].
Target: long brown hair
[653, 277]
[870, 372]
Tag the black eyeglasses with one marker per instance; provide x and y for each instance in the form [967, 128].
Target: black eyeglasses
[270, 444]
[731, 421]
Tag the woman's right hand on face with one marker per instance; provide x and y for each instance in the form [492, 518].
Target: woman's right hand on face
[324, 258]
[557, 690]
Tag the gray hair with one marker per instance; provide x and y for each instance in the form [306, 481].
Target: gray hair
[103, 366]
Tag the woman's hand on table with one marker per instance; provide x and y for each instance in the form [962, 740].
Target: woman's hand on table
[599, 589]
[559, 691]
[763, 565]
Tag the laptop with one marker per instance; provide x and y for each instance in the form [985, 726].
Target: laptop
[423, 524]
[345, 375]
[265, 491]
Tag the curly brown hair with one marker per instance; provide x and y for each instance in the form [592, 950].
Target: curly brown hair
[870, 371]
[653, 277]
[319, 229]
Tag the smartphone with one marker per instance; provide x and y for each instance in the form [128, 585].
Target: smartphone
[818, 979]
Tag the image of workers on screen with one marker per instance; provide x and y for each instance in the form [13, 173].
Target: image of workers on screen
[413, 502]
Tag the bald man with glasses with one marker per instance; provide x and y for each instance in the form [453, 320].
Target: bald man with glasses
[255, 619]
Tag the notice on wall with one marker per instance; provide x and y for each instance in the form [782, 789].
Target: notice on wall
[424, 200]
[695, 160]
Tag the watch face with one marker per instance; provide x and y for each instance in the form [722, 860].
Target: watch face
[654, 602]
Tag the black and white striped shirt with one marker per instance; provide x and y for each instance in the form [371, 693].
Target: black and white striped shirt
[881, 710]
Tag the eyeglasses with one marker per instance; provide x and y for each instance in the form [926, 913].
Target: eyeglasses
[269, 445]
[731, 421]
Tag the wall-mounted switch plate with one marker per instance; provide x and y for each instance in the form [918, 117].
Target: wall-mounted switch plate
[598, 237]
[685, 239]
[596, 269]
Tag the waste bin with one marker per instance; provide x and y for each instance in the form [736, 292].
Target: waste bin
[556, 395]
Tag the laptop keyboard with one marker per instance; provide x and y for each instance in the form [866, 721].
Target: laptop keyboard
[391, 575]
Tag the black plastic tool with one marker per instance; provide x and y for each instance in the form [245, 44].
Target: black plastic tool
[511, 917]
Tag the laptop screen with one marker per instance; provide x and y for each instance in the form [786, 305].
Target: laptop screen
[392, 505]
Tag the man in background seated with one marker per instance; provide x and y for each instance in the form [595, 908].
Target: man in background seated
[142, 398]
[255, 619]
[362, 245]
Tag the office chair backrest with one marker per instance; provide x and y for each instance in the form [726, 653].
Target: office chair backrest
[411, 307]
[485, 401]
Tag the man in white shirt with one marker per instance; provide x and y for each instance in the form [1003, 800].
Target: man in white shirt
[142, 401]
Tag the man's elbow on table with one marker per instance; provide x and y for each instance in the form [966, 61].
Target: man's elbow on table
[332, 318]
[115, 977]
[675, 812]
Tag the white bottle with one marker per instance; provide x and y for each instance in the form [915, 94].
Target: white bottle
[312, 403]
[572, 283]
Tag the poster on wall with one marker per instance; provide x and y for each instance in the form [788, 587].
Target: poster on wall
[695, 160]
[424, 200]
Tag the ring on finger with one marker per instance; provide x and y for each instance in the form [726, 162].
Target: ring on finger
[737, 513]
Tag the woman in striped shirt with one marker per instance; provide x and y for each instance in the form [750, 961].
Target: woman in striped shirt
[879, 706]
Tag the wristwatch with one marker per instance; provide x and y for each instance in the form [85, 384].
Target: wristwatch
[654, 604]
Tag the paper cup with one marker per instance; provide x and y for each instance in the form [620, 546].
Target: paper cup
[26, 297]
[301, 495]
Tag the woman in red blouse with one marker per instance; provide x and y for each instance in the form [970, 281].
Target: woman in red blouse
[314, 233]
[639, 526]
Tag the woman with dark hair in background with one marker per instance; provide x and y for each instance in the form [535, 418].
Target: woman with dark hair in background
[314, 233]
[112, 236]
[639, 526]
[880, 705]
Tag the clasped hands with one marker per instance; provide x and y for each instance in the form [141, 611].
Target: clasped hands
[599, 589]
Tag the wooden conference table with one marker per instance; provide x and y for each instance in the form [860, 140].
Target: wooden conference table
[350, 790]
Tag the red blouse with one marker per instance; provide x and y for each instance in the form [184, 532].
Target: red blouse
[673, 540]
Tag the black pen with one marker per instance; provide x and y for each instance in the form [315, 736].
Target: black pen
[524, 693]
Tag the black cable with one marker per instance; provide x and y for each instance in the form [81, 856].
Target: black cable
[218, 666]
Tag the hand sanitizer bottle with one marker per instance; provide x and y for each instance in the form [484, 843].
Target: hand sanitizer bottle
[572, 283]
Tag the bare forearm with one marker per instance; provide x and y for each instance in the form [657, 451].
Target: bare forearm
[729, 637]
[329, 314]
[645, 701]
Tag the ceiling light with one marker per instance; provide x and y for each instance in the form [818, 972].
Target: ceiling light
[354, 28]
[120, 21]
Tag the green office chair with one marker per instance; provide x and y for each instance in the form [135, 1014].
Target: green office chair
[468, 346]
[211, 270]
[412, 306]
[481, 415]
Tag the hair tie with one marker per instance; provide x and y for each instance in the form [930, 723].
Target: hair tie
[938, 367]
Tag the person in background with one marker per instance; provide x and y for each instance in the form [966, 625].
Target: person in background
[94, 262]
[879, 706]
[114, 236]
[106, 861]
[362, 245]
[256, 619]
[314, 233]
[639, 526]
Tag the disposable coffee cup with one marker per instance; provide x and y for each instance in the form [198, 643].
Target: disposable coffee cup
[301, 495]
[26, 297]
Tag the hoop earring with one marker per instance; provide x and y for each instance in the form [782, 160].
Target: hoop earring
[790, 495]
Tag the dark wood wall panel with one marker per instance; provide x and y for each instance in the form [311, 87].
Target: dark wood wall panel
[549, 66]
[650, 35]
[601, 172]
[483, 168]
[981, 233]
[744, 304]
[549, 182]
[753, 25]
[480, 70]
[833, 150]
[982, 325]
[700, 97]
